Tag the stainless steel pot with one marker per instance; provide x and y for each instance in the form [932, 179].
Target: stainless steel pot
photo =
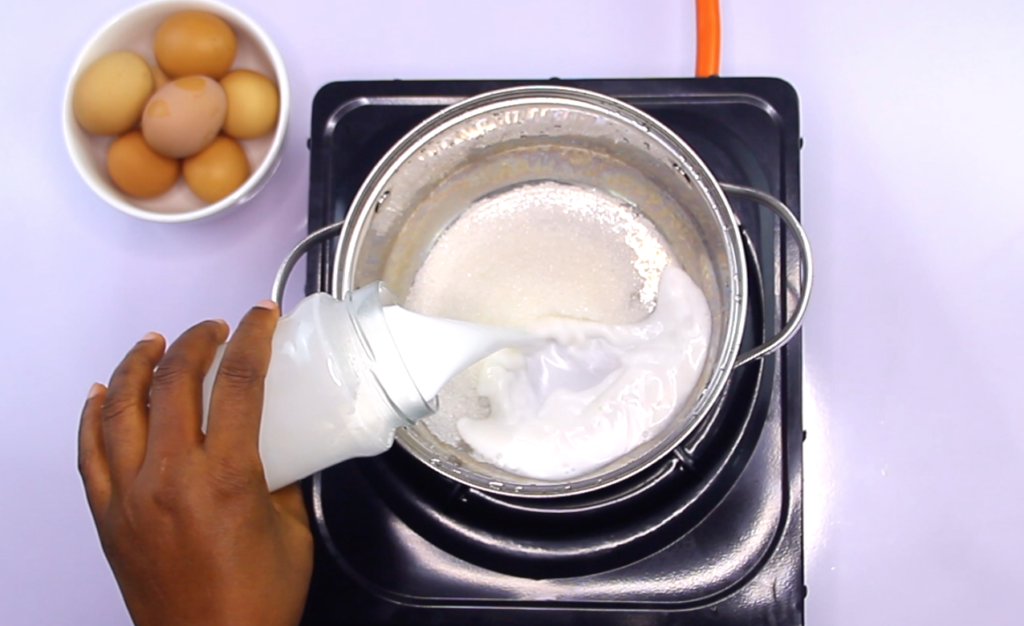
[516, 136]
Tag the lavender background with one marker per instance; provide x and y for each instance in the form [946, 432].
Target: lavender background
[911, 112]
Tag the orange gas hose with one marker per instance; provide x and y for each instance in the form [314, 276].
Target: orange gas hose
[709, 38]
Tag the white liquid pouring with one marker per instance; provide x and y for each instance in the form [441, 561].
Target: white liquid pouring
[595, 391]
[575, 394]
[344, 374]
[435, 349]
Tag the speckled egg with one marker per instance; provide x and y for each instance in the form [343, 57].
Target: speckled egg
[184, 116]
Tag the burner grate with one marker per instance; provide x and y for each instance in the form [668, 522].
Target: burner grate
[709, 535]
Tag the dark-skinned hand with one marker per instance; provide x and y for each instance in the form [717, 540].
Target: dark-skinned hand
[192, 534]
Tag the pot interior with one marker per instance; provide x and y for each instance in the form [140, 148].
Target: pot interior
[522, 136]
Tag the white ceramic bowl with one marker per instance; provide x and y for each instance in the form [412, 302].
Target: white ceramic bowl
[134, 30]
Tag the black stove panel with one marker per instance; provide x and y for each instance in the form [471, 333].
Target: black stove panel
[712, 534]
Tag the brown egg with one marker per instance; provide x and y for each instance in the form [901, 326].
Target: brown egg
[184, 116]
[195, 42]
[218, 170]
[110, 94]
[253, 104]
[137, 169]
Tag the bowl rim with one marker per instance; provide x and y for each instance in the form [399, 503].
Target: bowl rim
[257, 178]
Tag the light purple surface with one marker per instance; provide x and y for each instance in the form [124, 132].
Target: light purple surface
[911, 113]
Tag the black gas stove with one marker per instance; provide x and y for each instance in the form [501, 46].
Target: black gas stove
[712, 534]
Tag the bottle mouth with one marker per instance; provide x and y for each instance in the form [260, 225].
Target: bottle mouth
[386, 364]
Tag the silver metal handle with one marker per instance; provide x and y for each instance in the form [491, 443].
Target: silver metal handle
[277, 291]
[806, 265]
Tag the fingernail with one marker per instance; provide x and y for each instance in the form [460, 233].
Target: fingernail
[267, 304]
[151, 337]
[94, 391]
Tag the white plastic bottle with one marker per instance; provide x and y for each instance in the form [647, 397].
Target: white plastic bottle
[339, 385]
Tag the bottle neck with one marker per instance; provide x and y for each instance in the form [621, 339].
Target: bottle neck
[384, 361]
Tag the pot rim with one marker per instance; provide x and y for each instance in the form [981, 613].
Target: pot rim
[361, 210]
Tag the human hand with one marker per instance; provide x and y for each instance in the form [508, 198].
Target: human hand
[192, 534]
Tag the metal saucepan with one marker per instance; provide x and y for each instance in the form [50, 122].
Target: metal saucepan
[520, 135]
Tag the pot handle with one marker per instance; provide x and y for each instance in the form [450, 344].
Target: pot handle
[277, 291]
[806, 265]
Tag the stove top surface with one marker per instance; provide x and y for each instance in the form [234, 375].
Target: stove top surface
[711, 534]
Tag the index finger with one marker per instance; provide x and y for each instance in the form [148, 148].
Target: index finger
[125, 409]
[236, 403]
